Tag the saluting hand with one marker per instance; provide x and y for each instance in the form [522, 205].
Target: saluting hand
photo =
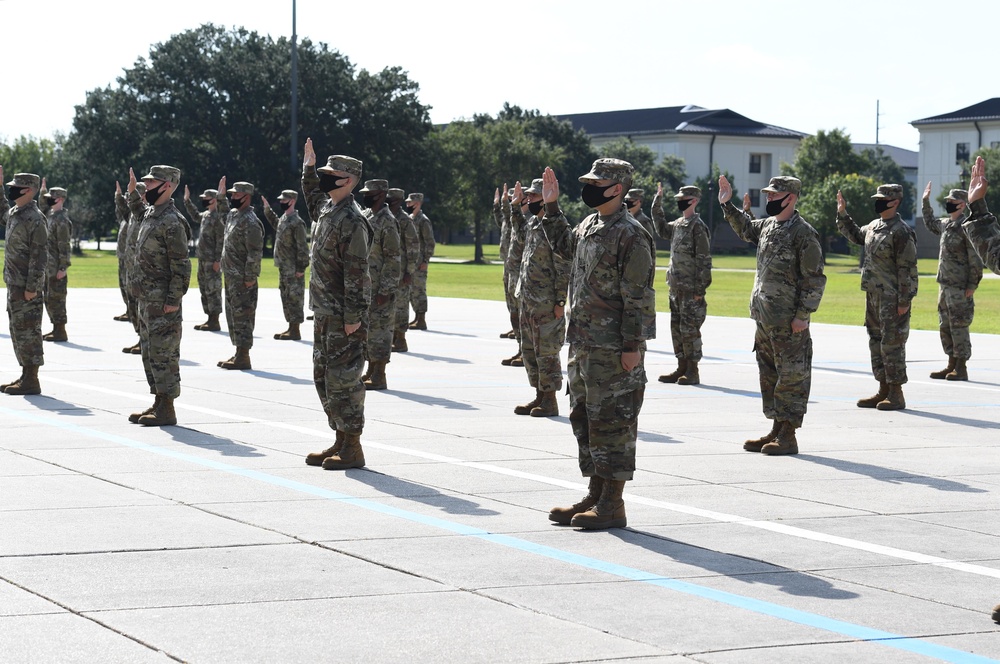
[187, 197]
[746, 202]
[518, 194]
[309, 155]
[725, 189]
[496, 196]
[927, 191]
[131, 180]
[841, 205]
[267, 206]
[978, 183]
[550, 186]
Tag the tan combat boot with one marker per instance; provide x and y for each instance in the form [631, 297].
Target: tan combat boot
[509, 362]
[317, 458]
[16, 381]
[163, 415]
[134, 417]
[28, 383]
[128, 349]
[58, 333]
[210, 325]
[548, 406]
[875, 399]
[291, 334]
[673, 376]
[507, 335]
[756, 444]
[377, 380]
[124, 317]
[944, 372]
[563, 515]
[691, 376]
[784, 442]
[609, 512]
[399, 341]
[419, 323]
[240, 361]
[525, 408]
[959, 372]
[351, 456]
[893, 399]
[136, 349]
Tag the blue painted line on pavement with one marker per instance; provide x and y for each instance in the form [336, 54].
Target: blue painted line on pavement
[805, 618]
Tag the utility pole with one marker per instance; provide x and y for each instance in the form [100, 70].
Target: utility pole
[877, 101]
[295, 95]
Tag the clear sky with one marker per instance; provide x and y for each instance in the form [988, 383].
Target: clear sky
[802, 64]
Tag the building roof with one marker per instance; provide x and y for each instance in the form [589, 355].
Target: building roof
[905, 158]
[984, 110]
[675, 119]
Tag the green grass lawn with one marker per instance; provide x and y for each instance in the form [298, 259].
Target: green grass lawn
[732, 281]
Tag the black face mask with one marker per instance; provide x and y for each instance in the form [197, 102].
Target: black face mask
[14, 192]
[328, 182]
[776, 207]
[593, 196]
[881, 205]
[951, 207]
[205, 203]
[369, 200]
[152, 194]
[411, 208]
[684, 204]
[50, 200]
[536, 207]
[286, 205]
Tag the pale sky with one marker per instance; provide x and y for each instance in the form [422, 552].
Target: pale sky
[802, 65]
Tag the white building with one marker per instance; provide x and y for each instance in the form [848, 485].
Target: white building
[948, 141]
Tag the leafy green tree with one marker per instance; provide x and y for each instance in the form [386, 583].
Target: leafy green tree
[711, 211]
[648, 173]
[883, 169]
[818, 204]
[821, 155]
[992, 157]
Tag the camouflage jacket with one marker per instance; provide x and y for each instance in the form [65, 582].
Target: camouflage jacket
[384, 263]
[789, 281]
[137, 207]
[690, 269]
[984, 234]
[161, 269]
[890, 260]
[647, 223]
[291, 249]
[122, 217]
[59, 243]
[409, 243]
[25, 254]
[501, 215]
[959, 265]
[515, 250]
[243, 245]
[211, 231]
[426, 234]
[612, 303]
[339, 284]
[544, 276]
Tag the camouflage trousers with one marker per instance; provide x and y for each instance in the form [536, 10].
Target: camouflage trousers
[513, 306]
[784, 361]
[55, 299]
[402, 306]
[25, 327]
[210, 287]
[955, 312]
[123, 279]
[381, 325]
[605, 401]
[241, 312]
[887, 335]
[542, 337]
[418, 292]
[293, 296]
[160, 342]
[338, 362]
[687, 315]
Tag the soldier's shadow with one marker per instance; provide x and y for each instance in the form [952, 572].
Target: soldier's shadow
[890, 475]
[438, 358]
[420, 493]
[43, 402]
[725, 390]
[450, 334]
[285, 378]
[951, 419]
[648, 437]
[207, 441]
[431, 401]
[86, 349]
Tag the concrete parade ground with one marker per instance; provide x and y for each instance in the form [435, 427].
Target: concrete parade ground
[212, 541]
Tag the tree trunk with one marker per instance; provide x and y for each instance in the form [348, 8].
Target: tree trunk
[479, 240]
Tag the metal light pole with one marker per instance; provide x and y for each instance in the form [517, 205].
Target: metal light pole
[295, 95]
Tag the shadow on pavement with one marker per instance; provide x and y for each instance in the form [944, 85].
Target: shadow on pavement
[420, 493]
[294, 380]
[431, 401]
[43, 402]
[86, 349]
[206, 441]
[889, 475]
[438, 358]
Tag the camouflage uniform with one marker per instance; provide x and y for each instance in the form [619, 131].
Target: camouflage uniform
[211, 231]
[502, 217]
[291, 257]
[160, 276]
[339, 294]
[242, 250]
[984, 233]
[410, 259]
[789, 284]
[136, 206]
[59, 229]
[512, 267]
[689, 275]
[418, 293]
[384, 269]
[611, 310]
[959, 270]
[122, 217]
[889, 278]
[24, 267]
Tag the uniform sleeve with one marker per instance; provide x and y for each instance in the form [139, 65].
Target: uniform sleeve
[193, 214]
[702, 258]
[638, 296]
[315, 199]
[850, 230]
[136, 205]
[65, 239]
[37, 258]
[558, 233]
[906, 264]
[811, 281]
[391, 266]
[357, 283]
[43, 204]
[426, 237]
[975, 266]
[498, 215]
[222, 205]
[301, 246]
[932, 223]
[271, 217]
[660, 222]
[180, 264]
[255, 248]
[4, 211]
[984, 234]
[746, 228]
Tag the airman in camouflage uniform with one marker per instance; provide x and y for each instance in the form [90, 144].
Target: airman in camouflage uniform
[122, 217]
[541, 293]
[211, 236]
[501, 216]
[134, 205]
[340, 289]
[409, 255]
[612, 312]
[689, 276]
[633, 201]
[242, 251]
[958, 276]
[517, 210]
[159, 278]
[889, 279]
[291, 257]
[24, 273]
[52, 204]
[385, 270]
[418, 293]
[787, 290]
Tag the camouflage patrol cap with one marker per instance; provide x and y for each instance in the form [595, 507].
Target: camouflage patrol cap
[535, 188]
[395, 194]
[635, 195]
[688, 191]
[57, 192]
[783, 184]
[288, 195]
[416, 198]
[375, 186]
[342, 163]
[241, 188]
[164, 174]
[209, 194]
[25, 180]
[958, 195]
[890, 192]
[609, 169]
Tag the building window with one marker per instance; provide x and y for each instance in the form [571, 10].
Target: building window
[995, 144]
[754, 198]
[755, 160]
[961, 153]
